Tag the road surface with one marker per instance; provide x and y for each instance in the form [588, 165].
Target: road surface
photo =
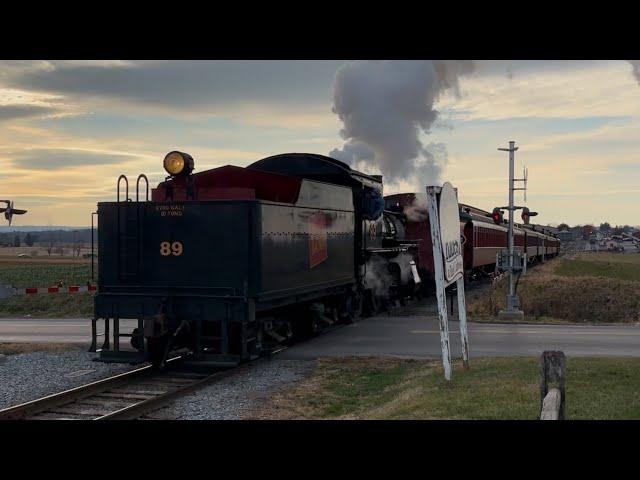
[53, 330]
[412, 335]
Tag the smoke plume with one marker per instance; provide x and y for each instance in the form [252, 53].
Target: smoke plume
[417, 211]
[384, 106]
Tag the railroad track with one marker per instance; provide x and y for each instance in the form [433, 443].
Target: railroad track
[125, 396]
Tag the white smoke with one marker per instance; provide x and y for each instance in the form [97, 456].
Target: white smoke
[377, 276]
[417, 211]
[384, 106]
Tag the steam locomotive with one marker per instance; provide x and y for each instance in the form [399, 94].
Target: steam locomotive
[229, 263]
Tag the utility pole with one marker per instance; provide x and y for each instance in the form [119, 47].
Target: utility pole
[512, 309]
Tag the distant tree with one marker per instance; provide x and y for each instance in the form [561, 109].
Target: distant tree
[77, 248]
[16, 241]
[563, 226]
[50, 244]
[28, 240]
[605, 227]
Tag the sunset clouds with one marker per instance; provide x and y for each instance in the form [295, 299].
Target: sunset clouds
[68, 129]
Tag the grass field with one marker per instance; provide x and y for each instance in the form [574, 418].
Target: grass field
[40, 274]
[492, 389]
[46, 272]
[603, 265]
[48, 305]
[592, 288]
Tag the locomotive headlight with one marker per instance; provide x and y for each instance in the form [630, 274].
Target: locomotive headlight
[178, 163]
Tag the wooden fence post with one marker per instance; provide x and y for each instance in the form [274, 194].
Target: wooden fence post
[552, 370]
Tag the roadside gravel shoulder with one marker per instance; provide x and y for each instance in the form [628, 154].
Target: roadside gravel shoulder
[234, 397]
[28, 376]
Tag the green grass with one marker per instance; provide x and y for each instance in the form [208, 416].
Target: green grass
[493, 388]
[46, 273]
[48, 305]
[22, 275]
[373, 383]
[600, 267]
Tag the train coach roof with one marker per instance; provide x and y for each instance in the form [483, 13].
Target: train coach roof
[316, 167]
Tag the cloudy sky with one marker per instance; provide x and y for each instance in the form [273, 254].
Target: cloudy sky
[69, 128]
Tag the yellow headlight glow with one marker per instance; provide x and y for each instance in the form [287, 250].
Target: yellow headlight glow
[174, 163]
[178, 163]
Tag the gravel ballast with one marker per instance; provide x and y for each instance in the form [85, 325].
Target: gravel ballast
[28, 376]
[232, 397]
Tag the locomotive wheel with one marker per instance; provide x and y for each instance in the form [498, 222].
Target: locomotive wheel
[351, 308]
[137, 341]
[157, 350]
[314, 326]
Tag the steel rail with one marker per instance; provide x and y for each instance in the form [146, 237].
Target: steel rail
[131, 380]
[31, 407]
[143, 407]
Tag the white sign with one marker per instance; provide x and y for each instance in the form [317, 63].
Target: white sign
[449, 215]
[444, 220]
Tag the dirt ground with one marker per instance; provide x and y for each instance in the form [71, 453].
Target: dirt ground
[15, 348]
[40, 255]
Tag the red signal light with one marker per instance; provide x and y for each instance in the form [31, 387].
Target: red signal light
[497, 216]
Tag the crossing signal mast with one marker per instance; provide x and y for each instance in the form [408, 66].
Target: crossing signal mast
[510, 260]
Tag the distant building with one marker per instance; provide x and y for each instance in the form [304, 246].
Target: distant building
[565, 235]
[587, 230]
[575, 233]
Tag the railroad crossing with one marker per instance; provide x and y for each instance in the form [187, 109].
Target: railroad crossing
[395, 335]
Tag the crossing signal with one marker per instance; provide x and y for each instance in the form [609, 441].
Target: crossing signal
[497, 216]
[526, 215]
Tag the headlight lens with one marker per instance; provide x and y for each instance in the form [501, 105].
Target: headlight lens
[178, 163]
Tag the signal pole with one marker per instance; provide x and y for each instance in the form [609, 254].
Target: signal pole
[512, 309]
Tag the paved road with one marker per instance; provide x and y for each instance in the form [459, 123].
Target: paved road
[411, 335]
[54, 330]
[418, 337]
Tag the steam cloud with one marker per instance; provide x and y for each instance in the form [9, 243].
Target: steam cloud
[384, 106]
[417, 211]
[379, 278]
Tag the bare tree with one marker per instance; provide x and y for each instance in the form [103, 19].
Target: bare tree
[50, 245]
[77, 248]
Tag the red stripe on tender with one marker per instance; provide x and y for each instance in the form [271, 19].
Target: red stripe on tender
[74, 289]
[53, 289]
[93, 288]
[30, 290]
